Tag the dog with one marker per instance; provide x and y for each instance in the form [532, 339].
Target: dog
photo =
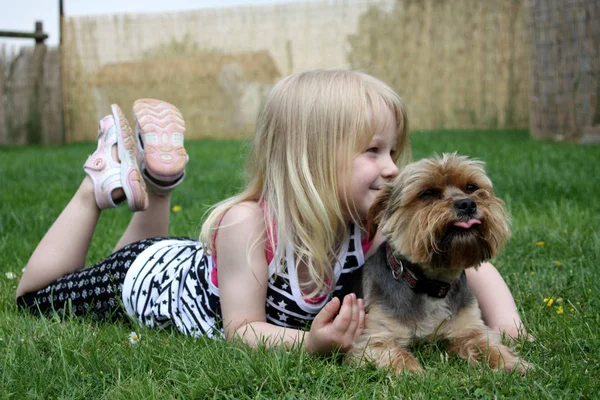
[439, 217]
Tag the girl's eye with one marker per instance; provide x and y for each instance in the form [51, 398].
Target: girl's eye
[471, 187]
[430, 194]
[372, 150]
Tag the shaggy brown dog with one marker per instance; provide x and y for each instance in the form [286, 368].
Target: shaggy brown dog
[440, 217]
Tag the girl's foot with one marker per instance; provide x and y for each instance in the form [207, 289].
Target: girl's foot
[160, 129]
[109, 173]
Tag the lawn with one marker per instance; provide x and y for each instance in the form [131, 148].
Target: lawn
[550, 264]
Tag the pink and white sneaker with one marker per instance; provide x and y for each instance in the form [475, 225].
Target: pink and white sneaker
[160, 130]
[109, 174]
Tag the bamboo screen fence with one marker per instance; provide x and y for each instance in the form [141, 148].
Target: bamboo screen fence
[458, 64]
[565, 90]
[31, 105]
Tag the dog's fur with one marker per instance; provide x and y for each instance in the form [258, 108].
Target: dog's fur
[440, 217]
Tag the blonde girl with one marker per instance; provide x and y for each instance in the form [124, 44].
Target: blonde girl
[275, 264]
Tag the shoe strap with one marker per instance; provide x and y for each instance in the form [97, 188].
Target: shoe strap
[162, 190]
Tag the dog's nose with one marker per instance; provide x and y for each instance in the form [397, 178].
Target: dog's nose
[466, 207]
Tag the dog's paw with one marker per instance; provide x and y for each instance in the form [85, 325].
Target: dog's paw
[412, 369]
[519, 365]
[402, 362]
[503, 358]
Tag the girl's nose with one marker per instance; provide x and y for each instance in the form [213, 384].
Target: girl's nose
[390, 169]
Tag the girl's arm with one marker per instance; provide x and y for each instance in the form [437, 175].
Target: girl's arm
[377, 241]
[243, 278]
[495, 300]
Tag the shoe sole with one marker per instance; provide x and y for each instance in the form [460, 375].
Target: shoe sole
[131, 177]
[161, 128]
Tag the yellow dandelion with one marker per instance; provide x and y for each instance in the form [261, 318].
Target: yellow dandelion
[549, 301]
[176, 208]
[540, 244]
[571, 309]
[560, 310]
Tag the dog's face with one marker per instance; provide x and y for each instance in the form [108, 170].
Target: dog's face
[442, 213]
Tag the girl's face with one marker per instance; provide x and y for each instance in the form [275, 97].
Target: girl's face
[373, 167]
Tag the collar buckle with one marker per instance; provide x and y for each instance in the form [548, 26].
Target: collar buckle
[397, 272]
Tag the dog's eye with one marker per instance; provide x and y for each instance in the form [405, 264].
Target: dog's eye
[430, 194]
[471, 187]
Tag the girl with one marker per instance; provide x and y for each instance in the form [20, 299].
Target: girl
[275, 263]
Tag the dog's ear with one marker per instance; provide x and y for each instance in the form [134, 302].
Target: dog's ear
[377, 209]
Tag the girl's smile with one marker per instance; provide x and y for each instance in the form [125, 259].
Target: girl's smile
[373, 167]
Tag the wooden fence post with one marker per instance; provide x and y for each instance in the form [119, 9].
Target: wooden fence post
[39, 31]
[35, 128]
[64, 120]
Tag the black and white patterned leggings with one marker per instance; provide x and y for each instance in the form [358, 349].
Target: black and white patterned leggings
[92, 291]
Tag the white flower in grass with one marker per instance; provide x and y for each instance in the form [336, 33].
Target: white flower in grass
[134, 338]
[10, 275]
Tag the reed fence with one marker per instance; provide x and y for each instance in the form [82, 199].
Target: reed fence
[31, 103]
[565, 89]
[457, 63]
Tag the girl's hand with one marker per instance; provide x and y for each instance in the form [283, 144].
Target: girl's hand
[330, 332]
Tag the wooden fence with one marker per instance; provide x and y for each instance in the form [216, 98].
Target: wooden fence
[31, 103]
[458, 64]
[565, 90]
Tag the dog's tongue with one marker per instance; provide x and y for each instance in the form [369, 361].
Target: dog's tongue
[467, 224]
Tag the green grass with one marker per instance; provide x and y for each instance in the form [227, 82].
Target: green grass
[551, 191]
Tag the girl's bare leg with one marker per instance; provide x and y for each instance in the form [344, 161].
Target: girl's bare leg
[150, 223]
[155, 118]
[63, 249]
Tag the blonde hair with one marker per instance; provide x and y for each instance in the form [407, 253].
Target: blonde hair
[308, 131]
